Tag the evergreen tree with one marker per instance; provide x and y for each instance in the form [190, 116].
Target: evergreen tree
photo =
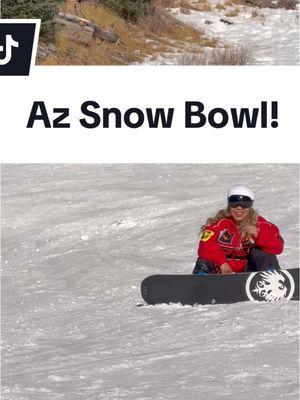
[38, 9]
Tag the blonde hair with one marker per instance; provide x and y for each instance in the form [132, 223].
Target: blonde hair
[252, 219]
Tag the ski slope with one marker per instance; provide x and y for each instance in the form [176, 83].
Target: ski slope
[76, 242]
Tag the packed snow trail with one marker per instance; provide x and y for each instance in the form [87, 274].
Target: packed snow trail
[77, 240]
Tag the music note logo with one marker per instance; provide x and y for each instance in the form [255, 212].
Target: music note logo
[7, 49]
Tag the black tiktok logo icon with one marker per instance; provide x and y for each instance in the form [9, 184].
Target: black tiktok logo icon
[17, 46]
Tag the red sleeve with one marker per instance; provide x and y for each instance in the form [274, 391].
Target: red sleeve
[269, 239]
[209, 248]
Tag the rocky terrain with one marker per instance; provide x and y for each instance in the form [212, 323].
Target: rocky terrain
[178, 32]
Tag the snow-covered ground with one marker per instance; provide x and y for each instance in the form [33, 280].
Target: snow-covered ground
[270, 35]
[76, 242]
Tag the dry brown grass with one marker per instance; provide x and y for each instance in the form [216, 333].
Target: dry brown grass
[185, 7]
[227, 56]
[185, 11]
[203, 7]
[238, 55]
[233, 13]
[230, 3]
[220, 6]
[191, 59]
[162, 25]
[287, 4]
[97, 52]
[166, 3]
[158, 33]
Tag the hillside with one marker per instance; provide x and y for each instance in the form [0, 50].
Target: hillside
[182, 32]
[144, 41]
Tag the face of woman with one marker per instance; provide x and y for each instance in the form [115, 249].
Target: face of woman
[239, 214]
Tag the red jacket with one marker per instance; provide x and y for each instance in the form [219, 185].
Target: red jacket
[221, 242]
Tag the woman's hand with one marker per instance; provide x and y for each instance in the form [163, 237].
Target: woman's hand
[250, 233]
[225, 269]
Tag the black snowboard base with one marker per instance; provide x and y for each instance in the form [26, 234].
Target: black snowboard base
[221, 289]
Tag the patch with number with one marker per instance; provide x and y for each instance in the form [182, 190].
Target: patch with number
[206, 235]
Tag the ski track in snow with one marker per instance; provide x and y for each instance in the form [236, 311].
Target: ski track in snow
[270, 35]
[76, 242]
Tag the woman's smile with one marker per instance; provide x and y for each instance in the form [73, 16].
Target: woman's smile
[239, 213]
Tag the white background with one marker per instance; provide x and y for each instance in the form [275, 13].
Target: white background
[136, 86]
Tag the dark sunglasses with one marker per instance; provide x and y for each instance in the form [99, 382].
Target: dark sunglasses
[239, 200]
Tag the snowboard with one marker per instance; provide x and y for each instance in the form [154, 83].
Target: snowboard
[264, 286]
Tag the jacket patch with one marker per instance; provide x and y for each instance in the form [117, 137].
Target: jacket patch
[225, 237]
[206, 235]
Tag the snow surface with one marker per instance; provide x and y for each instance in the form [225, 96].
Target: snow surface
[76, 242]
[270, 35]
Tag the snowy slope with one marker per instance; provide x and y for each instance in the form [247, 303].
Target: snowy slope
[76, 242]
[270, 35]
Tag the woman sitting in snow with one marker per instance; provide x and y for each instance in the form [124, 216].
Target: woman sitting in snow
[237, 239]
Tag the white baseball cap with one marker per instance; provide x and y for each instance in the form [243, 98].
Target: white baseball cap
[240, 190]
